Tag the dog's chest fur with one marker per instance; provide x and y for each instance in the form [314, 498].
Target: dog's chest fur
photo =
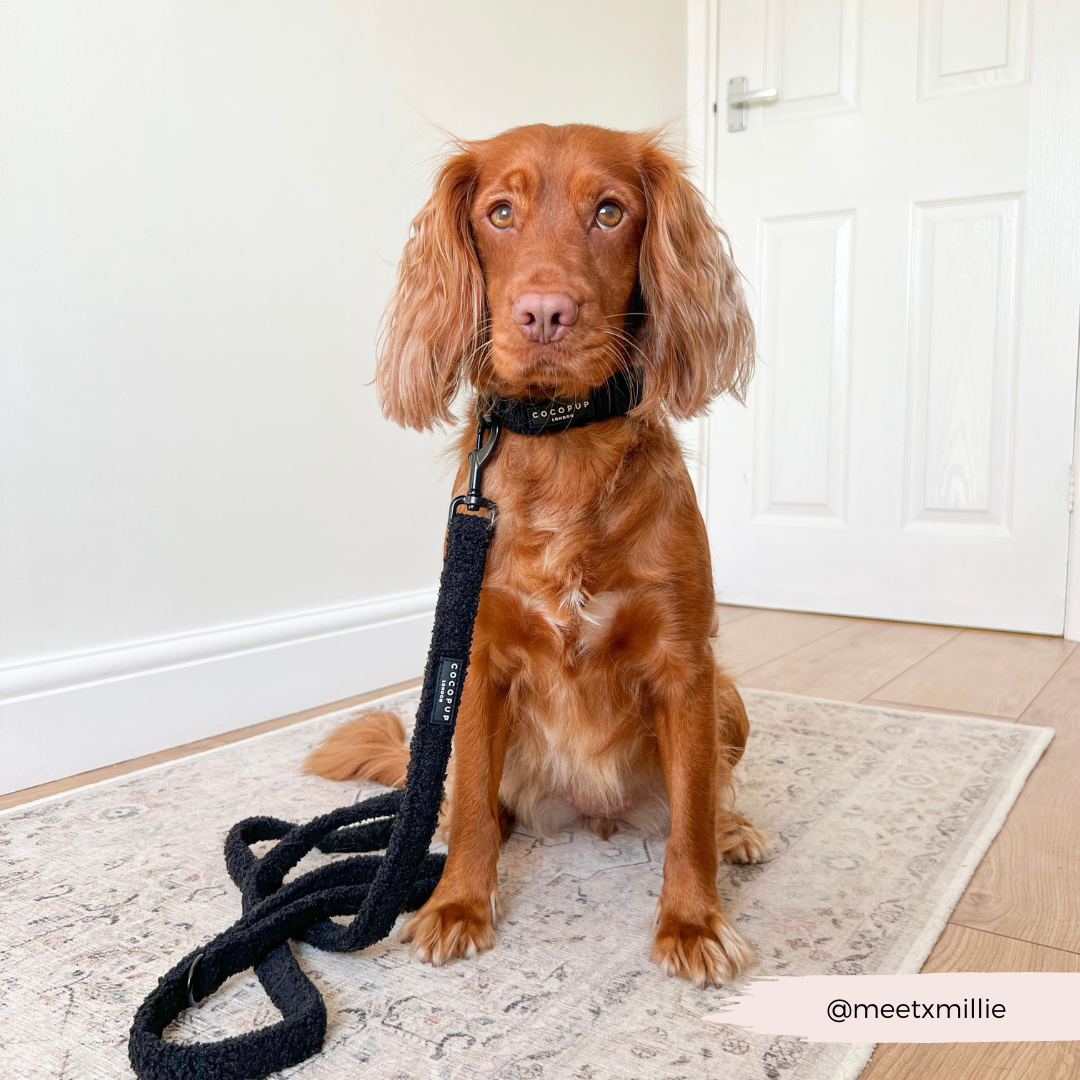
[581, 747]
[582, 561]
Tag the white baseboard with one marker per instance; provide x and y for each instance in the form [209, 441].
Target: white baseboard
[66, 714]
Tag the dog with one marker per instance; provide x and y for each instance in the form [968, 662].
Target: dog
[546, 260]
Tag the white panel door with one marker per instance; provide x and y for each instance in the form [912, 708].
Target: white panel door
[907, 214]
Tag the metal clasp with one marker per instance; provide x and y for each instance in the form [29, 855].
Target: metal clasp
[192, 1003]
[478, 458]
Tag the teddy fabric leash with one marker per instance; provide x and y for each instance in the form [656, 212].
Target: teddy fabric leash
[374, 889]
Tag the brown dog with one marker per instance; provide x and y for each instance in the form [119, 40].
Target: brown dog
[547, 259]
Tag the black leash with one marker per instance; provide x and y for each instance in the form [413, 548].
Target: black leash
[374, 889]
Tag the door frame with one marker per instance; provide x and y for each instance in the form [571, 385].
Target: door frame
[1072, 579]
[702, 26]
[703, 106]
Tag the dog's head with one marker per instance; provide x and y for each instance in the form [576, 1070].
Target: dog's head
[549, 257]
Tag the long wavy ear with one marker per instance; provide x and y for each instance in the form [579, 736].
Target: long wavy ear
[435, 317]
[697, 337]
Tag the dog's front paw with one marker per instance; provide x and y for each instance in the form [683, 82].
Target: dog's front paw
[748, 844]
[446, 929]
[708, 951]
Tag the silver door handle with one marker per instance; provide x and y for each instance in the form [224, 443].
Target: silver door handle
[739, 99]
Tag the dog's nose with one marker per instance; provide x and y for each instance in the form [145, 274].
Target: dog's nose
[544, 316]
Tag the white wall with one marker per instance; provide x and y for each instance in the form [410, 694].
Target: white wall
[201, 205]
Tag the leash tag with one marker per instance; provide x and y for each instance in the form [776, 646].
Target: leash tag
[448, 682]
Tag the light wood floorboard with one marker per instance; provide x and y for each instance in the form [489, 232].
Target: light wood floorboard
[729, 613]
[1028, 886]
[961, 949]
[980, 671]
[748, 642]
[851, 663]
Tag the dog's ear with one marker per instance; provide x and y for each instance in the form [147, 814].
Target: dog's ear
[696, 336]
[435, 315]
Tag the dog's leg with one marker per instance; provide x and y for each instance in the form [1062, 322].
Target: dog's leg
[459, 918]
[737, 839]
[693, 939]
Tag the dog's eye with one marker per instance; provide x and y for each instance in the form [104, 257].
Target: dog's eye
[502, 217]
[608, 215]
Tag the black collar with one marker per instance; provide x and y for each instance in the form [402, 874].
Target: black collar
[547, 416]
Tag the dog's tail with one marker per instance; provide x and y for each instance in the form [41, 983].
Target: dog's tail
[371, 747]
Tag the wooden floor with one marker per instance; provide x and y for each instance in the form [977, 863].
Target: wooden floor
[1022, 909]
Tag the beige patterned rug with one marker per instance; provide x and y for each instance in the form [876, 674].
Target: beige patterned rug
[882, 817]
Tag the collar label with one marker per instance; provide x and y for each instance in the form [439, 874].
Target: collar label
[543, 414]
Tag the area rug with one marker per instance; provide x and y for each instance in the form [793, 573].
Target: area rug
[881, 815]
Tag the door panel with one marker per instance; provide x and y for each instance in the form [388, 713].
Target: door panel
[813, 50]
[906, 216]
[963, 334]
[806, 283]
[972, 44]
